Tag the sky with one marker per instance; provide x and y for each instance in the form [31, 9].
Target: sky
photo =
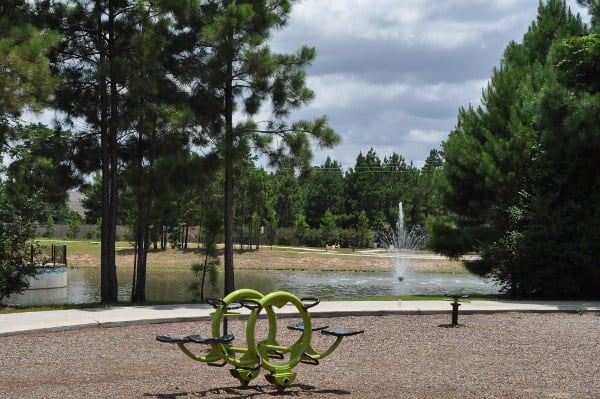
[391, 75]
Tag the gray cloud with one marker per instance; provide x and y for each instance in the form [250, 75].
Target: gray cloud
[391, 75]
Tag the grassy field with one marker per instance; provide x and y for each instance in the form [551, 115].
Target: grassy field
[87, 254]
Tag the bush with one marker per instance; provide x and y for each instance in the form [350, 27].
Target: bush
[286, 236]
[15, 231]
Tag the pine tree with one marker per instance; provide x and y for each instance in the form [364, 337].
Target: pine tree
[491, 154]
[238, 73]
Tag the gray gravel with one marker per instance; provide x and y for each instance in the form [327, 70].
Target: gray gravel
[504, 355]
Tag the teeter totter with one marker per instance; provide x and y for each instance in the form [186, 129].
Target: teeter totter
[278, 360]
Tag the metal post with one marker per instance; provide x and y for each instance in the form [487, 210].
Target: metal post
[455, 306]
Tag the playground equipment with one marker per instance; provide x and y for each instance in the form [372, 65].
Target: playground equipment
[278, 360]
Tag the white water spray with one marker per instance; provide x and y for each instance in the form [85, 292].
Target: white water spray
[403, 244]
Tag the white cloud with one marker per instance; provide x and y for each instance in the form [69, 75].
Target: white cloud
[469, 91]
[342, 91]
[440, 25]
[426, 136]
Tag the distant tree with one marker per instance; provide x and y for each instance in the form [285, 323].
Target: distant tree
[328, 227]
[363, 231]
[363, 187]
[211, 233]
[323, 188]
[73, 224]
[253, 196]
[49, 227]
[289, 200]
[271, 223]
[301, 227]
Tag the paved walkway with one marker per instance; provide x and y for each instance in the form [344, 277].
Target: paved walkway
[55, 320]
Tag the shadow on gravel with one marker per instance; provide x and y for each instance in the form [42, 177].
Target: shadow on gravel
[295, 390]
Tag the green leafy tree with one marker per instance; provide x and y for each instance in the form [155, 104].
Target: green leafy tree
[26, 79]
[253, 196]
[272, 222]
[73, 224]
[88, 62]
[15, 231]
[560, 221]
[301, 227]
[363, 231]
[241, 74]
[492, 155]
[111, 66]
[40, 166]
[289, 200]
[212, 232]
[329, 230]
[323, 188]
[363, 188]
[49, 227]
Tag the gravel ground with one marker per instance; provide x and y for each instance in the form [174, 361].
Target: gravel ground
[504, 355]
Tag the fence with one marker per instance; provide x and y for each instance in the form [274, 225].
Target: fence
[48, 255]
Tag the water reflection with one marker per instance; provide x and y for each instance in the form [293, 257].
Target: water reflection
[172, 284]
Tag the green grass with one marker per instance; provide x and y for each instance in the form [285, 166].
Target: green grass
[80, 246]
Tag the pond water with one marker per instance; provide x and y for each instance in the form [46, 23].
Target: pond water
[172, 285]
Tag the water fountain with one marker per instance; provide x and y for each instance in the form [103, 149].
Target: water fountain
[403, 243]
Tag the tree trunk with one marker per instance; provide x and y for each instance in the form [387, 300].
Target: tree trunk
[142, 234]
[142, 245]
[108, 275]
[186, 235]
[229, 153]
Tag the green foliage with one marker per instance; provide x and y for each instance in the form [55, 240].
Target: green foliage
[521, 171]
[73, 224]
[49, 227]
[213, 229]
[16, 230]
[40, 166]
[289, 199]
[329, 230]
[301, 227]
[323, 188]
[363, 231]
[26, 78]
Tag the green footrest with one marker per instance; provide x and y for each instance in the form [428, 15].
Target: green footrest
[197, 339]
[341, 332]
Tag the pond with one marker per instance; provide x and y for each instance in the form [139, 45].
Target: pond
[171, 285]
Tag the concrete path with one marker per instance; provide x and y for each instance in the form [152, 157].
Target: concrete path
[55, 320]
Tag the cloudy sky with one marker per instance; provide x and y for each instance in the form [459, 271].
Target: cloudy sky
[392, 74]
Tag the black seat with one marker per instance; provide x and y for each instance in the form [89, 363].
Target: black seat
[197, 339]
[341, 332]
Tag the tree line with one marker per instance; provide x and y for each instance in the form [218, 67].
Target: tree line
[322, 205]
[145, 95]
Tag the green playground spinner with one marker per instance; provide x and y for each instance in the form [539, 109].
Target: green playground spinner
[278, 360]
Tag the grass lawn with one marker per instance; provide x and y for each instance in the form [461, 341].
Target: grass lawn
[85, 253]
